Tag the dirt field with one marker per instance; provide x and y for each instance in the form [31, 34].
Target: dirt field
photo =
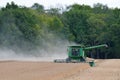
[106, 70]
[21, 70]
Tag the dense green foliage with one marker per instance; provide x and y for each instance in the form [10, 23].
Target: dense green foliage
[28, 28]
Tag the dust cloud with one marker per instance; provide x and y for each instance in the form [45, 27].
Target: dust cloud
[49, 51]
[47, 47]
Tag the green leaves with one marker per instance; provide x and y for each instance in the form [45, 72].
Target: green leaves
[32, 27]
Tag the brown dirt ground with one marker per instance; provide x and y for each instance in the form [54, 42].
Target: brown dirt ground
[20, 70]
[106, 70]
[25, 70]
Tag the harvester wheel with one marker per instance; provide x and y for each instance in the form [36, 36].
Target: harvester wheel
[68, 60]
[82, 59]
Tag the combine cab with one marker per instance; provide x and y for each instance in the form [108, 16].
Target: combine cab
[77, 54]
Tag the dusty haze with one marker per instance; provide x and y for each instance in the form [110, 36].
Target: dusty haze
[49, 52]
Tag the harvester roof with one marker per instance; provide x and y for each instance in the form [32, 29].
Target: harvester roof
[75, 46]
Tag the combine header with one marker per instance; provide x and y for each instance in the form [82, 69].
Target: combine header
[77, 54]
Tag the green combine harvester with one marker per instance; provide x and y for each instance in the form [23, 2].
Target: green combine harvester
[77, 54]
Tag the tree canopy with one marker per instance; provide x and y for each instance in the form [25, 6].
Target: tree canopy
[28, 28]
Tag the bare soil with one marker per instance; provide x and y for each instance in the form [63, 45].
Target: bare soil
[20, 70]
[26, 70]
[106, 70]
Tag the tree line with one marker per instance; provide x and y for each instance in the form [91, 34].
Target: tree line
[29, 27]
